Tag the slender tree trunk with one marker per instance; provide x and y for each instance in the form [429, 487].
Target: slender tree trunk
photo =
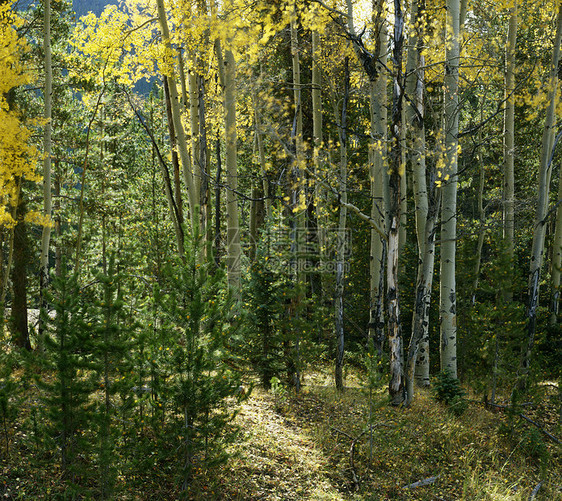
[556, 261]
[19, 279]
[427, 209]
[448, 290]
[298, 202]
[509, 139]
[481, 217]
[423, 299]
[176, 118]
[173, 146]
[396, 386]
[374, 65]
[218, 239]
[318, 214]
[204, 168]
[542, 205]
[234, 251]
[47, 199]
[340, 251]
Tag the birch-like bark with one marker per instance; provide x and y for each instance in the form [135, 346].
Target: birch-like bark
[509, 138]
[340, 251]
[420, 332]
[297, 195]
[374, 65]
[234, 250]
[448, 291]
[176, 117]
[47, 198]
[396, 385]
[426, 210]
[542, 205]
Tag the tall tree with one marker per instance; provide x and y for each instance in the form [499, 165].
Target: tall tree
[509, 134]
[396, 171]
[448, 289]
[545, 170]
[185, 157]
[47, 199]
[341, 241]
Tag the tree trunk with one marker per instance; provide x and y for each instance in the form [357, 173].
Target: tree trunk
[509, 139]
[396, 386]
[176, 118]
[234, 251]
[542, 205]
[427, 209]
[374, 65]
[448, 290]
[19, 279]
[47, 199]
[340, 251]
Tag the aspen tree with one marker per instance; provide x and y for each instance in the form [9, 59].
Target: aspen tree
[448, 292]
[47, 199]
[542, 205]
[396, 171]
[374, 65]
[509, 136]
[340, 250]
[185, 157]
[427, 207]
[227, 75]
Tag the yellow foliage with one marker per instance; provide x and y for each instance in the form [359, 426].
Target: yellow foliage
[16, 155]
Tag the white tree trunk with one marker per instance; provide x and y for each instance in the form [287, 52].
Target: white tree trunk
[448, 291]
[47, 199]
[545, 170]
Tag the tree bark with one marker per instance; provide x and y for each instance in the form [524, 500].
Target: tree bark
[340, 251]
[448, 290]
[396, 385]
[542, 205]
[47, 199]
[176, 117]
[426, 212]
[19, 279]
[374, 65]
[234, 250]
[509, 138]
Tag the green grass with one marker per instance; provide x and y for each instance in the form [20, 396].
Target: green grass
[298, 448]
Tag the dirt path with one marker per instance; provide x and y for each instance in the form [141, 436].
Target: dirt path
[278, 460]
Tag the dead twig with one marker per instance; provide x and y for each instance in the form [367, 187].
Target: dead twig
[535, 491]
[549, 435]
[529, 420]
[421, 483]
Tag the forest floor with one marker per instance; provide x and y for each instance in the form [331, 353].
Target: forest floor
[323, 445]
[319, 446]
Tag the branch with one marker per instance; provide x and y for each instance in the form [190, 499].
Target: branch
[549, 435]
[330, 188]
[421, 483]
[529, 420]
[331, 9]
[535, 491]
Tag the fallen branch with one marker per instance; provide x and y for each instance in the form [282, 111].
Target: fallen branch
[421, 483]
[535, 491]
[354, 440]
[549, 435]
[529, 420]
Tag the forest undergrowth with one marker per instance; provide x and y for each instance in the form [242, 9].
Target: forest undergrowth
[325, 445]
